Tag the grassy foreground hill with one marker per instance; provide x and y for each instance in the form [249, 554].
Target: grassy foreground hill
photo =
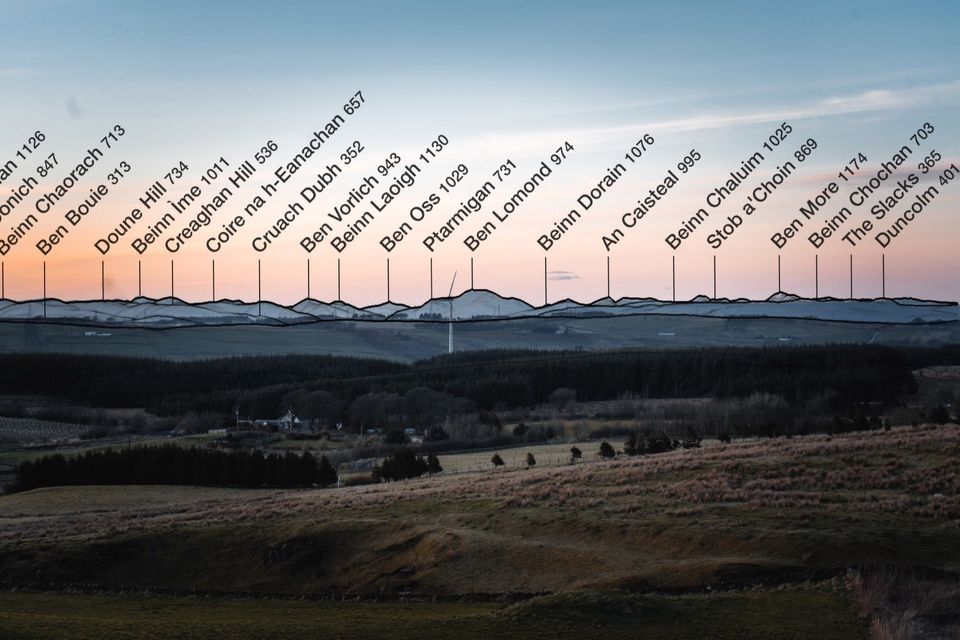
[795, 613]
[689, 537]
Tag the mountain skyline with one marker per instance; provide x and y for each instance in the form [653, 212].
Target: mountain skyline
[492, 80]
[470, 306]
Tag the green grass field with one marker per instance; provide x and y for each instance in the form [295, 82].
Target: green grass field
[515, 457]
[794, 613]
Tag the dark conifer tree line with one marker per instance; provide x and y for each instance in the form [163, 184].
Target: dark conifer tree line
[490, 380]
[406, 464]
[175, 465]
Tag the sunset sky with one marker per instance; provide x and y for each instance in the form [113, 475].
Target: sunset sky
[502, 81]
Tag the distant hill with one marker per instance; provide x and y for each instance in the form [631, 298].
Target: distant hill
[470, 306]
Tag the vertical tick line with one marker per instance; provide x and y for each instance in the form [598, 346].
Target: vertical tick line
[608, 276]
[673, 262]
[544, 280]
[851, 276]
[816, 275]
[883, 275]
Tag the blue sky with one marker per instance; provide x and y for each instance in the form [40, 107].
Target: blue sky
[195, 80]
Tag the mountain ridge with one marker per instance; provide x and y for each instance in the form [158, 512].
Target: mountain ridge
[469, 306]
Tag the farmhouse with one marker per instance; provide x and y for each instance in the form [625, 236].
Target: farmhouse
[287, 422]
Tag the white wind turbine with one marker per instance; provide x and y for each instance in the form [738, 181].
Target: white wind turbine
[450, 298]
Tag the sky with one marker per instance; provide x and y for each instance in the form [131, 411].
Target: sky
[193, 82]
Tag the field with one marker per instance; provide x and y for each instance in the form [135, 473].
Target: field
[412, 341]
[817, 611]
[751, 521]
[515, 457]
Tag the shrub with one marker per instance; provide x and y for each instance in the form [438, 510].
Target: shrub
[436, 434]
[326, 474]
[395, 436]
[939, 415]
[657, 443]
[402, 465]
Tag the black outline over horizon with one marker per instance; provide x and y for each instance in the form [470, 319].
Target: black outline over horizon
[542, 312]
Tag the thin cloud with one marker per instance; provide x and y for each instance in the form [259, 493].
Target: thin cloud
[597, 137]
[23, 62]
[562, 275]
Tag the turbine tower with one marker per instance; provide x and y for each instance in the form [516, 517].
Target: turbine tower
[450, 299]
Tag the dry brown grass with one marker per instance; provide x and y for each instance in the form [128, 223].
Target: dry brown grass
[678, 518]
[907, 603]
[906, 471]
